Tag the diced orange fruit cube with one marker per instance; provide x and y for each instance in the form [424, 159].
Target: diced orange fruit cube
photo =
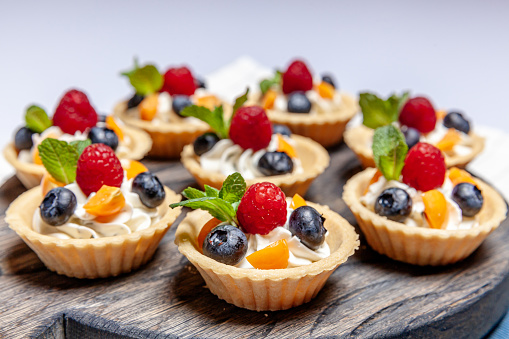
[458, 176]
[441, 113]
[297, 202]
[48, 183]
[269, 98]
[451, 138]
[205, 230]
[284, 146]
[435, 208]
[148, 107]
[274, 256]
[209, 101]
[35, 156]
[326, 90]
[374, 179]
[112, 124]
[106, 202]
[134, 168]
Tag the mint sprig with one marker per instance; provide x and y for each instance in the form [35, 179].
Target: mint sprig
[145, 80]
[221, 204]
[378, 112]
[61, 158]
[267, 84]
[389, 150]
[36, 119]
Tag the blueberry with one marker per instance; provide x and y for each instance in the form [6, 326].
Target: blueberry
[457, 120]
[149, 188]
[135, 100]
[468, 197]
[204, 143]
[103, 135]
[58, 206]
[328, 79]
[101, 117]
[412, 136]
[281, 129]
[307, 224]
[275, 163]
[226, 244]
[298, 103]
[180, 102]
[200, 83]
[394, 203]
[23, 139]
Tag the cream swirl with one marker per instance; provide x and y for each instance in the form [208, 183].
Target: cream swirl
[133, 217]
[319, 105]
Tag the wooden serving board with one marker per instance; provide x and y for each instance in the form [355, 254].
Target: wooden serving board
[368, 296]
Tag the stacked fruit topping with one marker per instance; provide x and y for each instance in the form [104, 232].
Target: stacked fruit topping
[239, 214]
[423, 169]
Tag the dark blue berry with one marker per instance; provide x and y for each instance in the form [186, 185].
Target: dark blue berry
[200, 83]
[135, 100]
[281, 129]
[179, 102]
[226, 244]
[101, 117]
[457, 120]
[298, 102]
[275, 163]
[58, 206]
[468, 197]
[149, 188]
[307, 224]
[328, 79]
[23, 139]
[204, 143]
[412, 136]
[103, 135]
[394, 203]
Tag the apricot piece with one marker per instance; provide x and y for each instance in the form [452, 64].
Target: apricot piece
[112, 124]
[205, 230]
[374, 179]
[284, 146]
[106, 202]
[458, 176]
[209, 101]
[274, 256]
[48, 183]
[148, 107]
[269, 98]
[435, 208]
[450, 139]
[134, 168]
[297, 202]
[441, 113]
[36, 157]
[326, 90]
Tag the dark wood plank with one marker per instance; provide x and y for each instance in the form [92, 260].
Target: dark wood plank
[369, 296]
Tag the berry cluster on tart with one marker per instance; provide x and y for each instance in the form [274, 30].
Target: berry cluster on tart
[314, 108]
[94, 215]
[74, 119]
[157, 104]
[451, 132]
[260, 250]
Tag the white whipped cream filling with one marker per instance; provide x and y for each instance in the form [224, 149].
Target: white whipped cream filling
[300, 254]
[455, 219]
[165, 111]
[133, 217]
[227, 158]
[319, 105]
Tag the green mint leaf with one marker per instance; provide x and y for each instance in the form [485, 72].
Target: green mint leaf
[233, 188]
[377, 112]
[145, 80]
[36, 119]
[211, 191]
[217, 207]
[389, 151]
[266, 84]
[240, 101]
[193, 193]
[80, 145]
[60, 159]
[235, 206]
[215, 118]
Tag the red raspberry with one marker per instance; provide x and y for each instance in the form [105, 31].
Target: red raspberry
[262, 208]
[424, 167]
[418, 113]
[74, 113]
[179, 81]
[98, 165]
[251, 128]
[297, 78]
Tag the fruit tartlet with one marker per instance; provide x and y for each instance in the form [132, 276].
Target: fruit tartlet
[414, 210]
[257, 249]
[91, 217]
[157, 104]
[248, 143]
[74, 119]
[314, 108]
[451, 132]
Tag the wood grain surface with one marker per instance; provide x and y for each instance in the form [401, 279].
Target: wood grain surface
[370, 296]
